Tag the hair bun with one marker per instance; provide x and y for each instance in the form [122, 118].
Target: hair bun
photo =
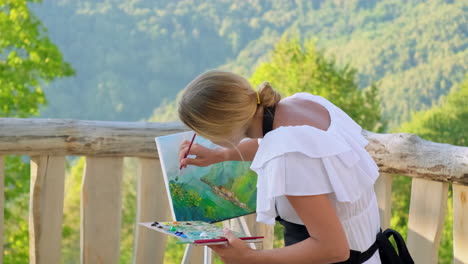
[265, 84]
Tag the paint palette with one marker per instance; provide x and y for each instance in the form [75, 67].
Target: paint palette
[197, 232]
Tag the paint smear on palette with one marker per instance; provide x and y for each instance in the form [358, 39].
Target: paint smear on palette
[210, 194]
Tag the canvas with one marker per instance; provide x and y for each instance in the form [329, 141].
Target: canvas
[211, 194]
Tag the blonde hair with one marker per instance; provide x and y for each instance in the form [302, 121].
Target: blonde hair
[217, 103]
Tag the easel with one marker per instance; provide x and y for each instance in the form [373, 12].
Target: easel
[207, 251]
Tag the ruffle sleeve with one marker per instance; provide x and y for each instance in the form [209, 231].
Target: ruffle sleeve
[304, 160]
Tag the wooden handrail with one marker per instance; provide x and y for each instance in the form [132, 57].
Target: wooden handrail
[394, 153]
[413, 156]
[82, 138]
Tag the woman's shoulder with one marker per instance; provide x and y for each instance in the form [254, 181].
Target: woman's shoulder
[299, 110]
[340, 123]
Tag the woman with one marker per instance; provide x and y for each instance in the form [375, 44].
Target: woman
[314, 175]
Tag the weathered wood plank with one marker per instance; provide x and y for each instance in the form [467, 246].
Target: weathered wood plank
[412, 156]
[2, 203]
[82, 138]
[428, 207]
[101, 204]
[152, 205]
[460, 224]
[46, 209]
[394, 153]
[383, 190]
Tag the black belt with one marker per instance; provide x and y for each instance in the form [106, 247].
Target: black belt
[294, 233]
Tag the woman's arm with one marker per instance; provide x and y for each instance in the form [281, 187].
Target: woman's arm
[327, 242]
[245, 151]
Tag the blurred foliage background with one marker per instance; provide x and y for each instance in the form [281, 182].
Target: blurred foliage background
[394, 66]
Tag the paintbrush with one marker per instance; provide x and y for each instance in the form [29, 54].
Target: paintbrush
[186, 154]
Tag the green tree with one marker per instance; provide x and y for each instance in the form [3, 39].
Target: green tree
[28, 59]
[302, 68]
[445, 123]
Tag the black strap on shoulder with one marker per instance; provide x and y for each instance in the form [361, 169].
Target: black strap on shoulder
[268, 117]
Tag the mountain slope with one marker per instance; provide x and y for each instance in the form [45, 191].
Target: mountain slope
[130, 55]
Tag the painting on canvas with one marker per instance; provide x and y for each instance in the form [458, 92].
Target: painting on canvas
[214, 193]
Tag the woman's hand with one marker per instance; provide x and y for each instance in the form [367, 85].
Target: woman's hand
[236, 251]
[204, 156]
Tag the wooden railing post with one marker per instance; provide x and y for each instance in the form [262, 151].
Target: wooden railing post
[2, 203]
[383, 190]
[152, 205]
[460, 224]
[46, 209]
[428, 207]
[101, 210]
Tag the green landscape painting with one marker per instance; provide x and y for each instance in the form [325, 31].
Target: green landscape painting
[214, 193]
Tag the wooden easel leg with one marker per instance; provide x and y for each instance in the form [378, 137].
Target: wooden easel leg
[186, 258]
[245, 229]
[207, 255]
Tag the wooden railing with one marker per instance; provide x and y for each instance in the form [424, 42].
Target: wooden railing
[433, 166]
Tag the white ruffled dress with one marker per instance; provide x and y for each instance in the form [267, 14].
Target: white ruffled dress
[304, 160]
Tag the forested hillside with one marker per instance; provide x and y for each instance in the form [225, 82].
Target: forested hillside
[129, 55]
